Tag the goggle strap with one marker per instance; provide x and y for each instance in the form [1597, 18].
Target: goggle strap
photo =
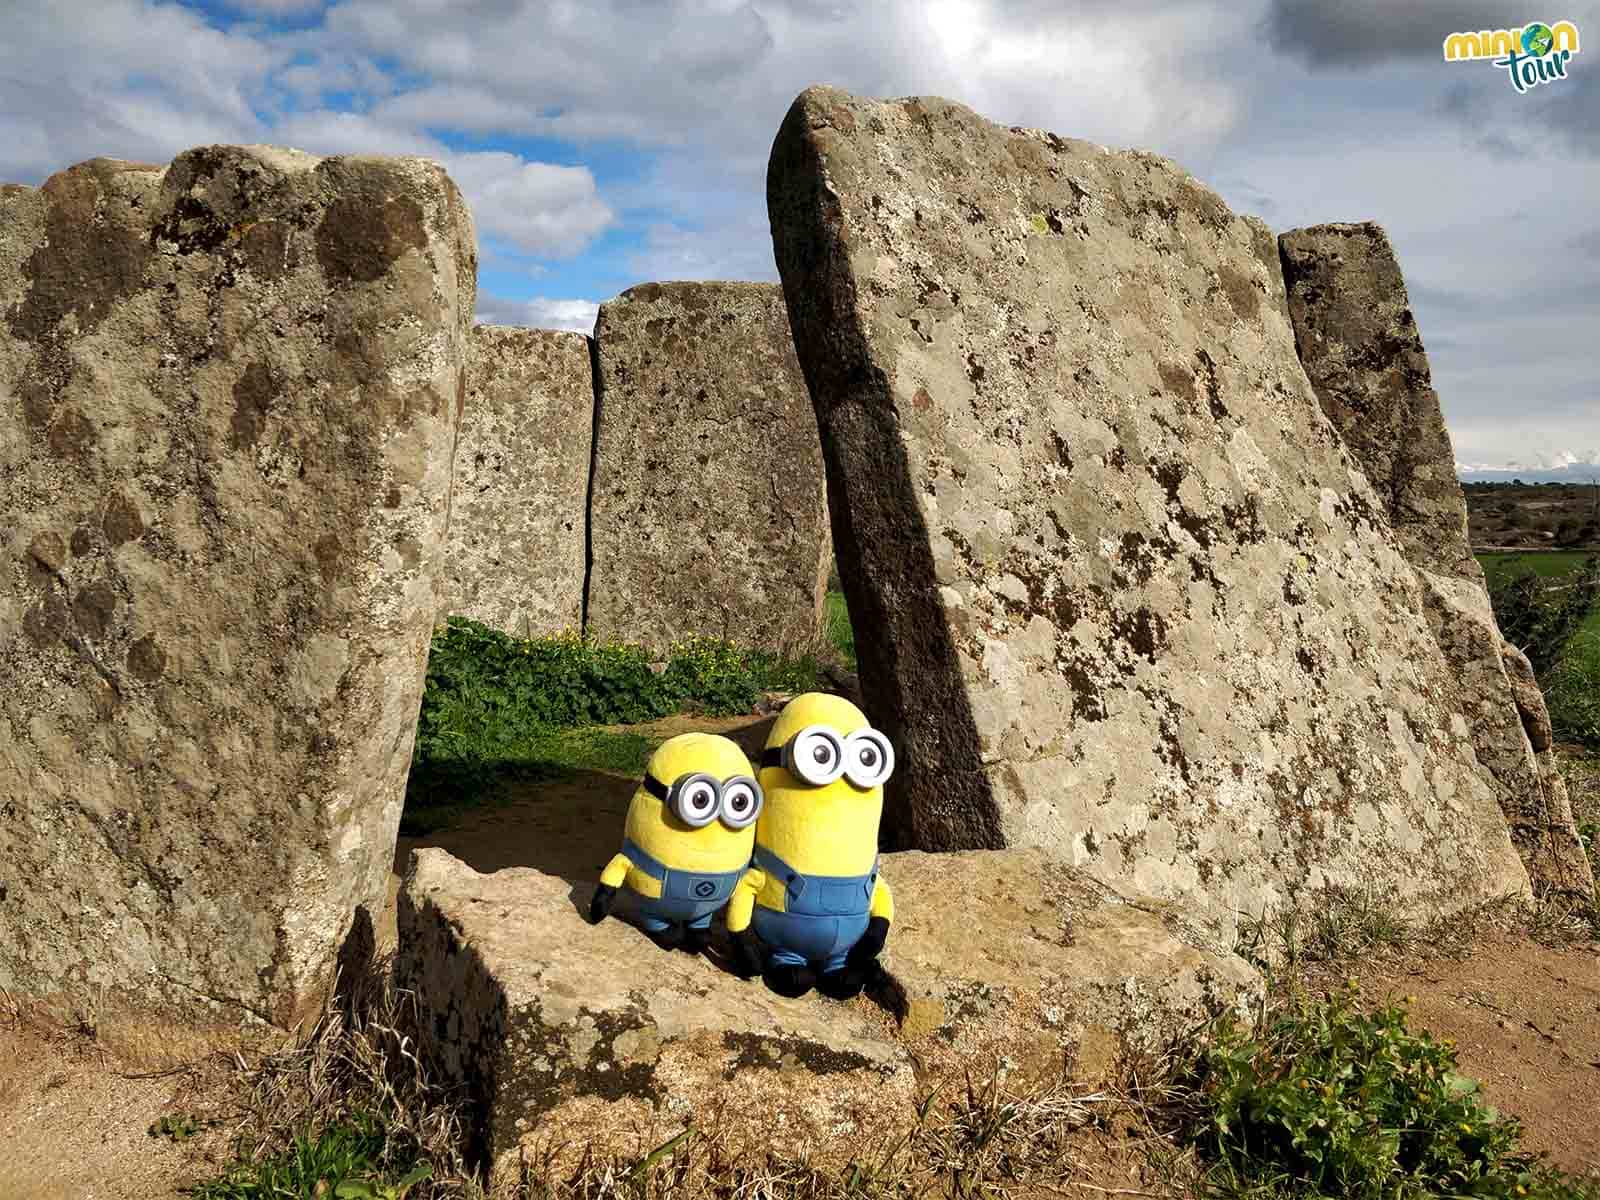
[656, 788]
[772, 756]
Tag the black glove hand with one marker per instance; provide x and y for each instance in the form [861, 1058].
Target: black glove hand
[749, 956]
[866, 950]
[600, 906]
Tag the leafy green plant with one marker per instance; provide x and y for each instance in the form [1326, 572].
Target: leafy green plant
[376, 1189]
[497, 708]
[1322, 1098]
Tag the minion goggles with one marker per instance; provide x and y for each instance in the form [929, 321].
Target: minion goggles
[817, 755]
[697, 799]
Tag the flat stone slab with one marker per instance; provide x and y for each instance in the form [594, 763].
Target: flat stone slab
[1119, 588]
[590, 1036]
[228, 395]
[516, 553]
[708, 514]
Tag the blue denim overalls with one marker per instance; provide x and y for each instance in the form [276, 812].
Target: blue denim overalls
[824, 915]
[687, 897]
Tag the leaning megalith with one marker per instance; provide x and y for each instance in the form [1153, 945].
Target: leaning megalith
[708, 514]
[228, 394]
[1361, 349]
[1119, 589]
[515, 554]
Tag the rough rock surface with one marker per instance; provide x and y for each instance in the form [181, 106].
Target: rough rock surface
[515, 556]
[1119, 588]
[228, 393]
[1550, 844]
[591, 1035]
[708, 514]
[1360, 346]
[1528, 697]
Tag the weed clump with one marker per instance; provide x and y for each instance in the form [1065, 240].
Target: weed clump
[1324, 1099]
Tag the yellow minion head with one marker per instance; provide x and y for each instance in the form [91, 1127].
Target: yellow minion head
[697, 806]
[823, 774]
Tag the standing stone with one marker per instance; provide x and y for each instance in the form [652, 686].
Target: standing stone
[708, 514]
[515, 555]
[1361, 349]
[1119, 589]
[228, 393]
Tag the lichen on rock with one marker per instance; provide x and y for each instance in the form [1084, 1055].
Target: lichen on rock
[516, 552]
[213, 624]
[1359, 343]
[1119, 588]
[708, 514]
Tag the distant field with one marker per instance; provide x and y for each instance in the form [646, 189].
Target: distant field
[1548, 564]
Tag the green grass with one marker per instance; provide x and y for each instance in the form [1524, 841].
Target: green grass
[1572, 687]
[442, 791]
[840, 634]
[1571, 679]
[344, 1160]
[498, 709]
[1549, 564]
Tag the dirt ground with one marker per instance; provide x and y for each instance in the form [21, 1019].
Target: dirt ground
[1525, 1019]
[74, 1127]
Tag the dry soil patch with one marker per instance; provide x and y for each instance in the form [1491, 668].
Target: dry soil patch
[1525, 1019]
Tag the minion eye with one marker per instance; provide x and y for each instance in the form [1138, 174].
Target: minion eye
[815, 755]
[868, 758]
[695, 799]
[741, 801]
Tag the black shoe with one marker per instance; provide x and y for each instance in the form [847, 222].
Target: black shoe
[696, 940]
[844, 984]
[669, 938]
[788, 980]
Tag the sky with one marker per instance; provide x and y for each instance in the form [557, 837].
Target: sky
[606, 143]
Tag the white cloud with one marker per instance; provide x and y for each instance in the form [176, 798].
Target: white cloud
[542, 312]
[137, 81]
[147, 82]
[696, 89]
[539, 208]
[720, 75]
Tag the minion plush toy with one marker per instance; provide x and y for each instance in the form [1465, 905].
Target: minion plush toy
[686, 841]
[813, 898]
